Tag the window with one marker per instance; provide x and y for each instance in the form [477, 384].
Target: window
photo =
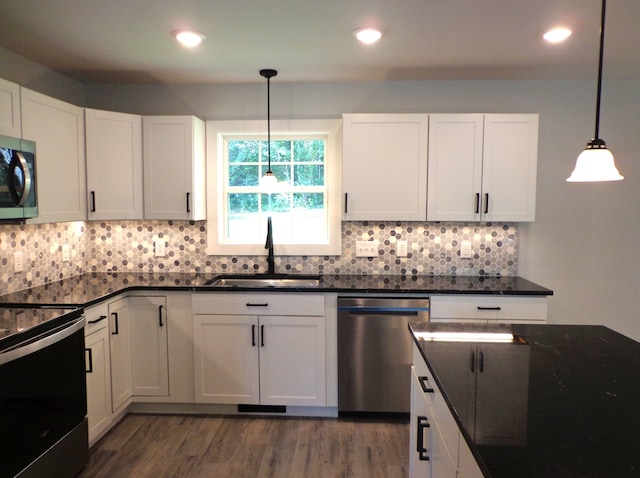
[305, 157]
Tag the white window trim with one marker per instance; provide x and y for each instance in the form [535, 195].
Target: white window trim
[215, 177]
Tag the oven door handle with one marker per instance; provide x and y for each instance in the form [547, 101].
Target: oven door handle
[39, 342]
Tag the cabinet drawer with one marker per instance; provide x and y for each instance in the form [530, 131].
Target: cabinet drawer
[96, 318]
[259, 304]
[488, 308]
[440, 413]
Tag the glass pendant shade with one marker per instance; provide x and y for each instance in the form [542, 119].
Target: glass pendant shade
[268, 182]
[595, 164]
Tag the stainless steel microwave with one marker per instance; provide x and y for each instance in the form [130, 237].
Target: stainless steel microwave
[18, 191]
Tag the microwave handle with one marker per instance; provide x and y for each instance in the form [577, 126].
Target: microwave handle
[19, 161]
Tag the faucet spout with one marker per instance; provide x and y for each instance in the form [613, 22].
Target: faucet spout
[271, 261]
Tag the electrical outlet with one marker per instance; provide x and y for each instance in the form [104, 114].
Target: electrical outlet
[159, 247]
[401, 249]
[18, 262]
[21, 321]
[465, 250]
[366, 248]
[65, 253]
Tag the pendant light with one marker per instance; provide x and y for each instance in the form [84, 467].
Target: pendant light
[268, 181]
[596, 162]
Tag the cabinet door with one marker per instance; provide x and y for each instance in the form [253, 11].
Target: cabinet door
[501, 411]
[419, 462]
[435, 459]
[98, 383]
[114, 165]
[455, 167]
[10, 124]
[58, 130]
[292, 361]
[226, 359]
[119, 328]
[467, 465]
[174, 167]
[509, 167]
[149, 346]
[443, 465]
[384, 172]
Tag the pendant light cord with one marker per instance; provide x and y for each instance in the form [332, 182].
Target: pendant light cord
[268, 74]
[597, 132]
[269, 120]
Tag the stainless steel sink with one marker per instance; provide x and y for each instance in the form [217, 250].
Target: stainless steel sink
[258, 281]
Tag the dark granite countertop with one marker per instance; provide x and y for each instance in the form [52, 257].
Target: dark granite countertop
[560, 402]
[87, 289]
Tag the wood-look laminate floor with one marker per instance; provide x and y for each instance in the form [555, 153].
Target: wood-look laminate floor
[159, 446]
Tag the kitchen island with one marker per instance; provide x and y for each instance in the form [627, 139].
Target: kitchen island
[556, 401]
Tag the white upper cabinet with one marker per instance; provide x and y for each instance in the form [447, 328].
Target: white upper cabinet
[482, 167]
[114, 165]
[510, 167]
[10, 124]
[385, 166]
[174, 167]
[58, 130]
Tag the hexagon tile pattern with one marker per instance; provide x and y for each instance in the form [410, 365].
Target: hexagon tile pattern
[433, 249]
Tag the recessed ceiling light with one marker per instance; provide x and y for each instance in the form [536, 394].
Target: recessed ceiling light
[188, 38]
[367, 35]
[557, 35]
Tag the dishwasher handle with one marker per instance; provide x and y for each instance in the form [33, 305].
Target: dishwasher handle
[382, 311]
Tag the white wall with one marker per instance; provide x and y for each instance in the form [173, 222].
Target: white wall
[36, 77]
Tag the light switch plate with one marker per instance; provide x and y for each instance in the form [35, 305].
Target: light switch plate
[21, 321]
[401, 249]
[65, 253]
[159, 247]
[465, 250]
[18, 262]
[366, 248]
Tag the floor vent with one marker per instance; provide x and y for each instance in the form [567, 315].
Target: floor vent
[262, 409]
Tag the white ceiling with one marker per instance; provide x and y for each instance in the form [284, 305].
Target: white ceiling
[129, 41]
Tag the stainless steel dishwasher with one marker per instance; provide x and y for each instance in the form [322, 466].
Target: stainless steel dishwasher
[375, 354]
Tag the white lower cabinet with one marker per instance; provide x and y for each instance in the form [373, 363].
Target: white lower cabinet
[429, 456]
[467, 464]
[149, 350]
[492, 309]
[274, 356]
[225, 359]
[98, 369]
[120, 332]
[292, 361]
[438, 449]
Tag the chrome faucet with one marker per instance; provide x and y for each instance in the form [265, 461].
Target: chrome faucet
[271, 261]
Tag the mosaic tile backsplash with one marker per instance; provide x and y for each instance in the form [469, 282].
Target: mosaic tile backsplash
[433, 249]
